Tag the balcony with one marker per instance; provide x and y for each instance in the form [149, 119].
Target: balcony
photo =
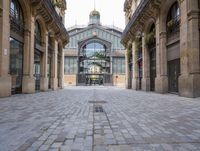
[134, 18]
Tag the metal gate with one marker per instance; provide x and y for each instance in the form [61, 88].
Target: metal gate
[100, 79]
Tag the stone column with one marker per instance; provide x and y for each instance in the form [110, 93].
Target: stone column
[145, 63]
[5, 78]
[135, 67]
[28, 81]
[54, 79]
[44, 60]
[161, 81]
[189, 81]
[127, 70]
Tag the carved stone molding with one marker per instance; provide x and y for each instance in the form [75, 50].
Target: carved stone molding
[146, 9]
[46, 9]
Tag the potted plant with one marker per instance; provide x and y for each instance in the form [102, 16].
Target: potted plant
[150, 38]
[56, 3]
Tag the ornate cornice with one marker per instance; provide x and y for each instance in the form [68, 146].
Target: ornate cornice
[127, 5]
[46, 9]
[144, 11]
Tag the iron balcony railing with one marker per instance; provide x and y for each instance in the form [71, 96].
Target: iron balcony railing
[56, 17]
[136, 14]
[173, 26]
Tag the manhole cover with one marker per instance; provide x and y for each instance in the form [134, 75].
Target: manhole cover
[98, 109]
[102, 102]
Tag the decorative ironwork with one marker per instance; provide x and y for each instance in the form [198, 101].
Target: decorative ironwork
[173, 20]
[173, 26]
[136, 14]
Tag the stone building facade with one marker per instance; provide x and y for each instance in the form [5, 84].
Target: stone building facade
[32, 38]
[94, 55]
[162, 43]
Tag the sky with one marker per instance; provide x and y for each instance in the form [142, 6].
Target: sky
[111, 12]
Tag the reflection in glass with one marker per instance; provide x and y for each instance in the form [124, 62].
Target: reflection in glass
[94, 59]
[16, 65]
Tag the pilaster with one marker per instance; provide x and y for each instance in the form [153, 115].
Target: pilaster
[5, 79]
[161, 81]
[44, 60]
[28, 81]
[189, 42]
[145, 62]
[135, 82]
[54, 78]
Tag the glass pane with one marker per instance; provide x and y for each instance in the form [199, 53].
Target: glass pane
[16, 64]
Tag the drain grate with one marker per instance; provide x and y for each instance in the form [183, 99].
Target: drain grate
[102, 102]
[98, 109]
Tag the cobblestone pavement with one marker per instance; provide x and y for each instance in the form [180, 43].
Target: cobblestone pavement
[99, 119]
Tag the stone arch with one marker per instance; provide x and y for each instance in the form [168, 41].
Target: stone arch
[165, 7]
[43, 28]
[149, 23]
[94, 60]
[149, 56]
[19, 38]
[171, 43]
[26, 13]
[99, 40]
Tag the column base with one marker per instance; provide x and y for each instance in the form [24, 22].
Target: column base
[128, 84]
[61, 83]
[5, 86]
[44, 83]
[161, 84]
[54, 83]
[135, 84]
[146, 84]
[189, 85]
[28, 84]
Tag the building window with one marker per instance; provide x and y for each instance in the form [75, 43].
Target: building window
[37, 33]
[173, 19]
[16, 17]
[70, 65]
[118, 65]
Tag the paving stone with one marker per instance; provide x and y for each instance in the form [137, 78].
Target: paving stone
[132, 120]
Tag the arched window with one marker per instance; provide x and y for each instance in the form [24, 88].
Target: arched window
[16, 16]
[173, 19]
[37, 33]
[94, 59]
[94, 48]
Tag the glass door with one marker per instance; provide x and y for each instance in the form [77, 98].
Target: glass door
[16, 65]
[173, 74]
[37, 61]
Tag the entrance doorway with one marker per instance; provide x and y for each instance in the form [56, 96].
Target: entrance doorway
[94, 79]
[94, 64]
[16, 65]
[37, 74]
[152, 67]
[173, 72]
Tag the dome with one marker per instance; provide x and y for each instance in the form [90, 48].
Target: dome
[94, 13]
[94, 18]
